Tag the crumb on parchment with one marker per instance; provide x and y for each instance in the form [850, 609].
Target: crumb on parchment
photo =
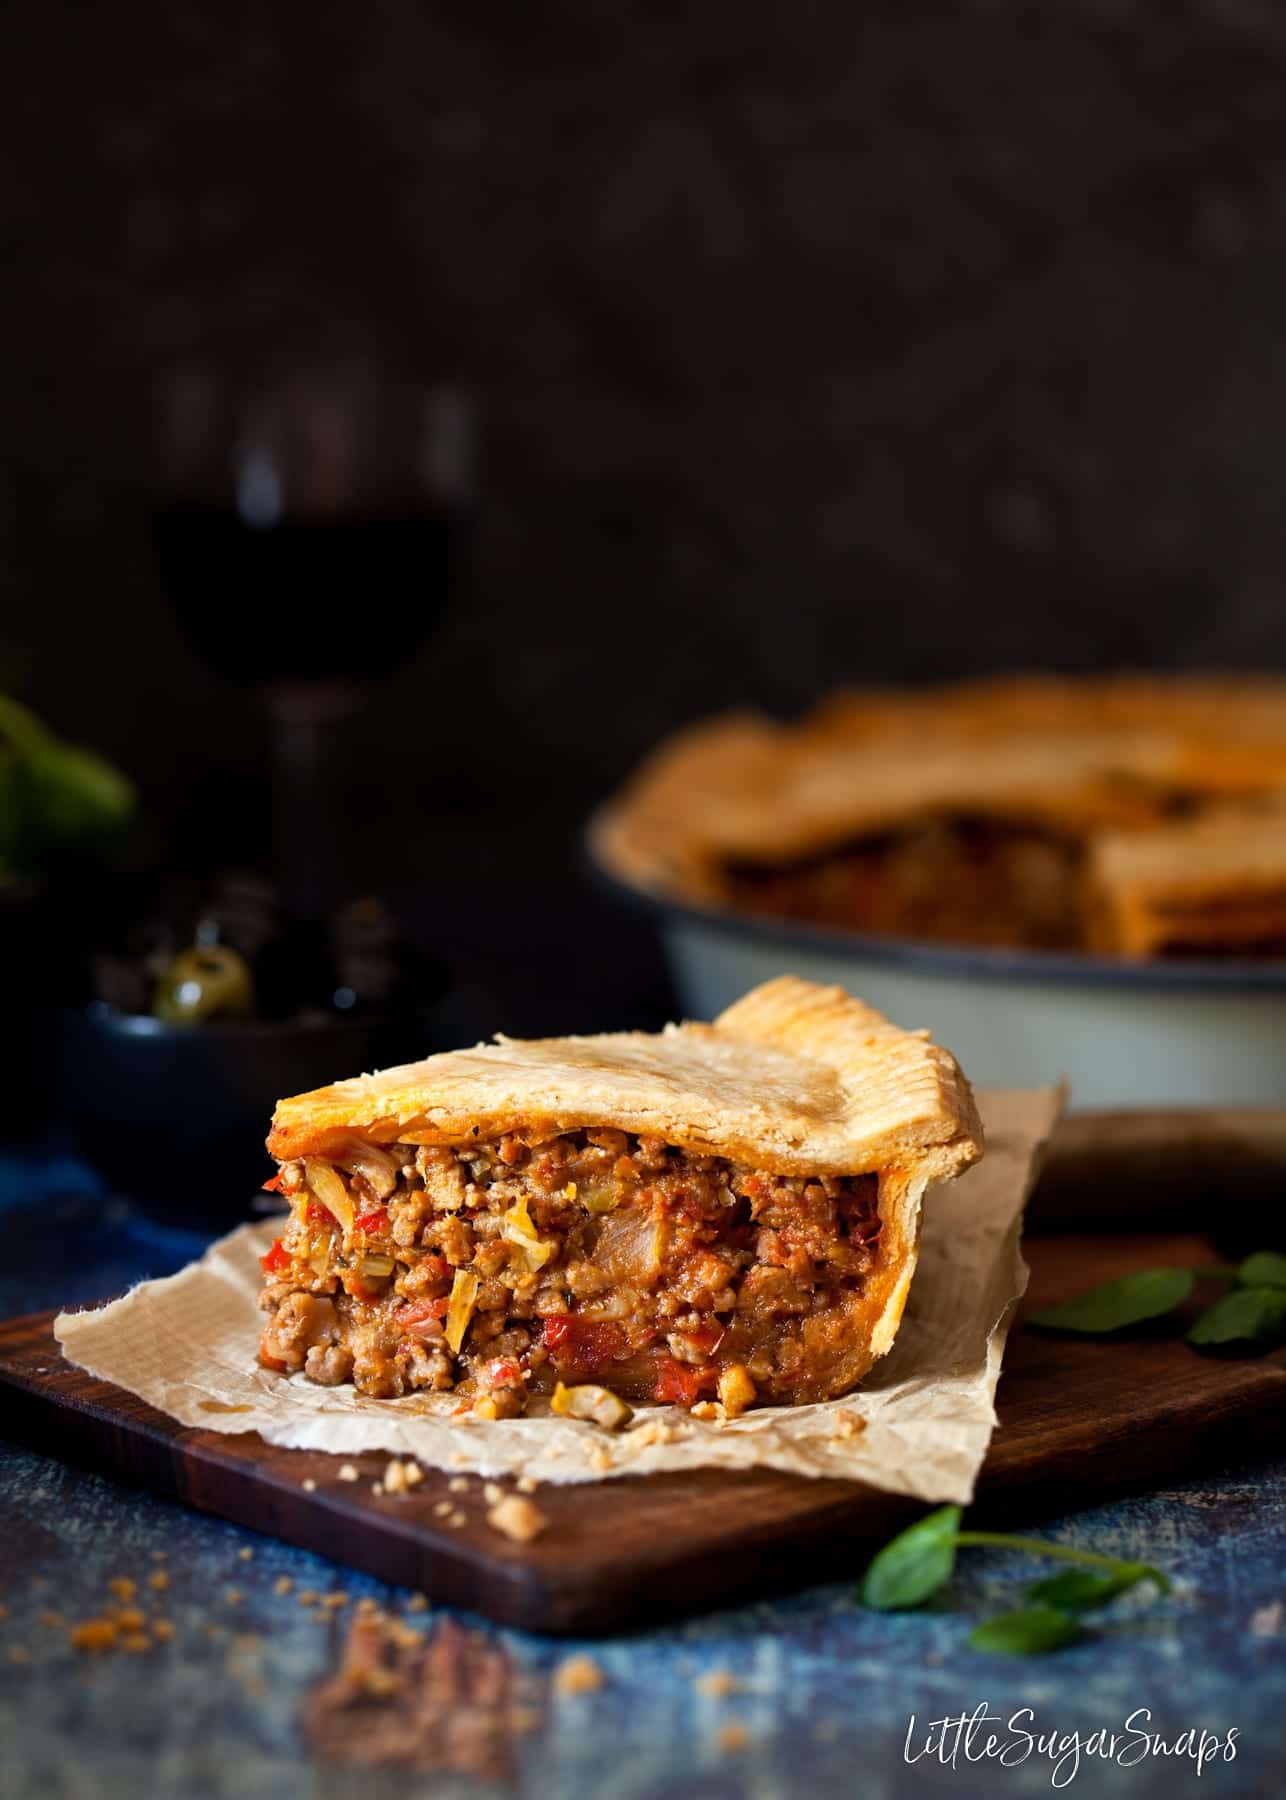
[847, 1423]
[517, 1518]
[578, 1675]
[716, 1684]
[732, 1737]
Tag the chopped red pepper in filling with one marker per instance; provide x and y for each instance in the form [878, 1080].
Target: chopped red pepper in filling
[273, 1261]
[682, 1383]
[373, 1222]
[583, 1346]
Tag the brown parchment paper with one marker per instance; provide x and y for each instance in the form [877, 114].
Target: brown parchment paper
[918, 1425]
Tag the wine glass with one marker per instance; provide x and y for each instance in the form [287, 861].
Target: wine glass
[308, 523]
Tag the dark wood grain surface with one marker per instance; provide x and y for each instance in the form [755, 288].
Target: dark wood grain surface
[1077, 1421]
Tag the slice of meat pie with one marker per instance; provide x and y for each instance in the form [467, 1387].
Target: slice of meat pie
[726, 1211]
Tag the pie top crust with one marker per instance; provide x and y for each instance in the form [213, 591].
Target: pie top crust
[1082, 758]
[794, 1079]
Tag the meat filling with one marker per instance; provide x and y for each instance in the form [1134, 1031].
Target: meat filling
[948, 881]
[500, 1268]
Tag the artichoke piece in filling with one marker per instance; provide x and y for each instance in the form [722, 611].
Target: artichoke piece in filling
[502, 1268]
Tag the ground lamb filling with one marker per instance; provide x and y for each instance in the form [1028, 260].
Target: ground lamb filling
[593, 1258]
[952, 881]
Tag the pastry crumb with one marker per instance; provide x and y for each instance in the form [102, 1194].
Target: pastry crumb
[651, 1431]
[309, 1485]
[716, 1684]
[162, 1630]
[493, 1493]
[578, 1675]
[458, 1484]
[457, 1519]
[517, 1518]
[708, 1410]
[282, 1585]
[848, 1424]
[441, 1509]
[308, 1596]
[93, 1635]
[332, 1602]
[526, 1484]
[1266, 1621]
[246, 1553]
[232, 1596]
[136, 1642]
[732, 1737]
[129, 1618]
[54, 1620]
[159, 1580]
[418, 1603]
[122, 1587]
[347, 1472]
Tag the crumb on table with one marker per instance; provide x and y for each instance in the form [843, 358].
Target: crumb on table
[578, 1675]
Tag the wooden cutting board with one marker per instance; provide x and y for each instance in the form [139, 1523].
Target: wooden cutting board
[1077, 1420]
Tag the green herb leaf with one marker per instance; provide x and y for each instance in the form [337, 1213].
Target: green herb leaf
[1031, 1631]
[1082, 1590]
[914, 1564]
[1117, 1304]
[1264, 1269]
[1254, 1317]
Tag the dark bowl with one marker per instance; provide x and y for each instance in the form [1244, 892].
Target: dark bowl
[175, 1118]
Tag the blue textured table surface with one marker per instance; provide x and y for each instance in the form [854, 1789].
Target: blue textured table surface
[810, 1694]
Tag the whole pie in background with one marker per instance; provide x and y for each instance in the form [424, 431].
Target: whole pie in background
[1139, 817]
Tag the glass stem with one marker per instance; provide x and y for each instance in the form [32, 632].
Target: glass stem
[305, 721]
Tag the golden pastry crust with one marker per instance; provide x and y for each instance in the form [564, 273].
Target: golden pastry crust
[1206, 881]
[795, 1079]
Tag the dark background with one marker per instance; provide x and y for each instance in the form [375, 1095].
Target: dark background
[809, 344]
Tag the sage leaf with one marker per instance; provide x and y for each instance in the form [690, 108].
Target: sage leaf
[1031, 1631]
[1129, 1301]
[1264, 1269]
[1253, 1317]
[1083, 1590]
[914, 1564]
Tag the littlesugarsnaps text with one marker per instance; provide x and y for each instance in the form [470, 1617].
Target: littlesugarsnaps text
[980, 1736]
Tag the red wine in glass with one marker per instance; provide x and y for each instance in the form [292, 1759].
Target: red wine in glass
[308, 530]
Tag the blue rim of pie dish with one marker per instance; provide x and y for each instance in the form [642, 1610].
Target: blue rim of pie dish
[1066, 968]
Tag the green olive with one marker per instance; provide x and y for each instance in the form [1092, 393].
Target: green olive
[208, 982]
